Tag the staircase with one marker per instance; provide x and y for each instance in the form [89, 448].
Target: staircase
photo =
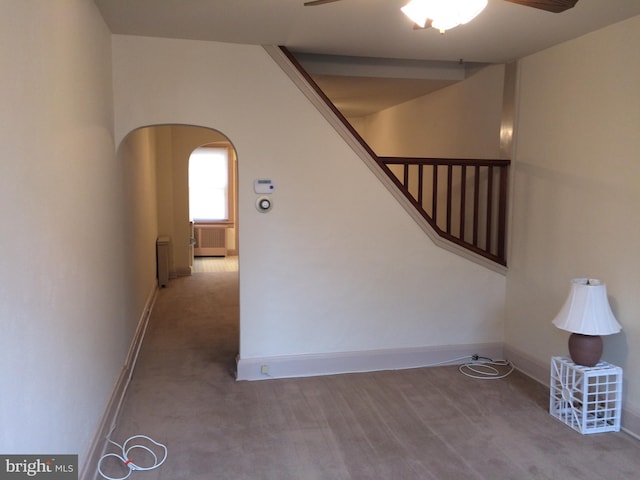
[465, 201]
[460, 203]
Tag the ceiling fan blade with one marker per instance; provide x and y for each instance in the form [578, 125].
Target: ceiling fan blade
[554, 6]
[426, 25]
[318, 2]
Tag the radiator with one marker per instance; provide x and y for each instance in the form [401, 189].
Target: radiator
[211, 240]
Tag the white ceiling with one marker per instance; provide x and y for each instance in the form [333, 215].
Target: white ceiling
[369, 28]
[365, 28]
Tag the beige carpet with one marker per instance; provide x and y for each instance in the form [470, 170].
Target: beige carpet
[430, 423]
[215, 264]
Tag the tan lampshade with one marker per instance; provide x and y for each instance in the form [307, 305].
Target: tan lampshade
[586, 310]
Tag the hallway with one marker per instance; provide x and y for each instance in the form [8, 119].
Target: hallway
[185, 367]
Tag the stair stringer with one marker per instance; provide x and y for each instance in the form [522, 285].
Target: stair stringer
[369, 160]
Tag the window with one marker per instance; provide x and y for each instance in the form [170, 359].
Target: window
[209, 184]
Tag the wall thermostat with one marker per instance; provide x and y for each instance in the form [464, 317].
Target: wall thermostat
[264, 204]
[263, 185]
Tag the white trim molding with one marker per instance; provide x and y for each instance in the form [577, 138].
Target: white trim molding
[98, 445]
[310, 365]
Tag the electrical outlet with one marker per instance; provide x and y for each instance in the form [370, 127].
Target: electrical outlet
[264, 369]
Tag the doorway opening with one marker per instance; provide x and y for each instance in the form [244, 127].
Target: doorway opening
[156, 201]
[212, 206]
[158, 172]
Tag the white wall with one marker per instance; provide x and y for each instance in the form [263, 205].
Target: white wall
[64, 329]
[577, 192]
[337, 265]
[458, 121]
[138, 155]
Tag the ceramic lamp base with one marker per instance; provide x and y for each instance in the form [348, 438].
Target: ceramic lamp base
[585, 350]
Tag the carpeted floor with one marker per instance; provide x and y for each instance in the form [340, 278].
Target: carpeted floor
[429, 423]
[215, 264]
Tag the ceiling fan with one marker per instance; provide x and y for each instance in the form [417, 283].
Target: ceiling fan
[427, 13]
[555, 6]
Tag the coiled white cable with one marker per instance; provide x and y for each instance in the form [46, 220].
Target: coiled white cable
[125, 458]
[486, 368]
[483, 368]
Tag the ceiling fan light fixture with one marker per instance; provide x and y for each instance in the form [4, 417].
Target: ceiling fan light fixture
[444, 14]
[416, 12]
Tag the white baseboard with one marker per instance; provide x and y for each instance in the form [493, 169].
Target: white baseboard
[630, 422]
[365, 361]
[89, 470]
[528, 365]
[539, 371]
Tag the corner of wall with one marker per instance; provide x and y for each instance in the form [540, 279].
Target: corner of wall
[540, 372]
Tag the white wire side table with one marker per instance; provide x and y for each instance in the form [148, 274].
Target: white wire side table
[588, 399]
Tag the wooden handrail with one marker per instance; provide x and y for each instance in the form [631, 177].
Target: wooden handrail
[487, 221]
[487, 211]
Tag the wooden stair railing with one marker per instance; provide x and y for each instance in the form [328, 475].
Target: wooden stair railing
[483, 231]
[464, 200]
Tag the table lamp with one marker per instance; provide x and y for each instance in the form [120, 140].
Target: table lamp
[587, 315]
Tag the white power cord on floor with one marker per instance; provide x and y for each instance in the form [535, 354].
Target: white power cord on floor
[486, 368]
[125, 458]
[483, 368]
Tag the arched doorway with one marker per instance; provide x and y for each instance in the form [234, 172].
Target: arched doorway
[174, 146]
[156, 200]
